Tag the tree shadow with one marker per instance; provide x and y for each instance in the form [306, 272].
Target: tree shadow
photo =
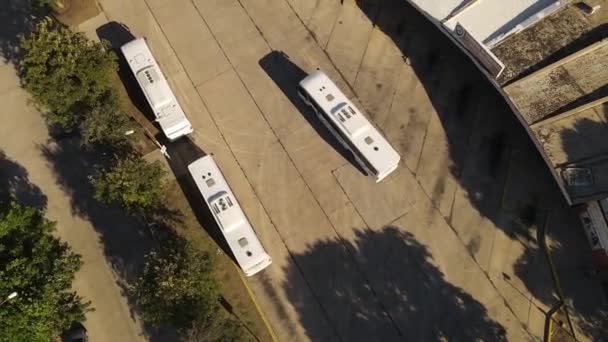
[286, 75]
[488, 149]
[582, 144]
[424, 305]
[17, 17]
[16, 186]
[126, 240]
[575, 273]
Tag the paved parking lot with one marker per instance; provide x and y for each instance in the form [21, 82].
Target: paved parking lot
[443, 248]
[353, 260]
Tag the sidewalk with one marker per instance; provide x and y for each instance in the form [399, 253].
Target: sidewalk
[29, 145]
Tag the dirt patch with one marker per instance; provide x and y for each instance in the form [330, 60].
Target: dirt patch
[560, 331]
[77, 11]
[142, 143]
[142, 138]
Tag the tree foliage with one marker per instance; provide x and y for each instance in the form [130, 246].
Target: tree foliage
[49, 4]
[66, 73]
[220, 329]
[40, 268]
[106, 125]
[43, 4]
[136, 185]
[177, 287]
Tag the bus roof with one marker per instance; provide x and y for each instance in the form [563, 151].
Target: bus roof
[229, 216]
[155, 87]
[351, 121]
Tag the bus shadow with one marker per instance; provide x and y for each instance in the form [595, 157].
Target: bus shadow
[286, 75]
[182, 153]
[116, 35]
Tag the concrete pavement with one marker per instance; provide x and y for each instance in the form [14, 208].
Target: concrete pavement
[24, 139]
[308, 204]
[438, 249]
[471, 157]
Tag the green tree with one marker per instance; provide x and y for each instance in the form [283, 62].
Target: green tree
[44, 4]
[49, 4]
[177, 286]
[40, 268]
[137, 186]
[220, 329]
[66, 73]
[106, 125]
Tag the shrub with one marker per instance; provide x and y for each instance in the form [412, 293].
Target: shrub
[106, 125]
[177, 286]
[134, 184]
[40, 268]
[219, 329]
[42, 4]
[66, 73]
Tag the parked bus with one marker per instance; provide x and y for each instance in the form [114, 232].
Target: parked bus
[167, 111]
[349, 125]
[594, 216]
[244, 244]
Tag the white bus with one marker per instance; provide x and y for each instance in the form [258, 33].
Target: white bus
[249, 253]
[349, 126]
[168, 112]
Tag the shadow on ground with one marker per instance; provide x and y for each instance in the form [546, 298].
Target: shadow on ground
[286, 75]
[116, 35]
[125, 239]
[593, 311]
[426, 306]
[490, 156]
[17, 17]
[16, 186]
[184, 152]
